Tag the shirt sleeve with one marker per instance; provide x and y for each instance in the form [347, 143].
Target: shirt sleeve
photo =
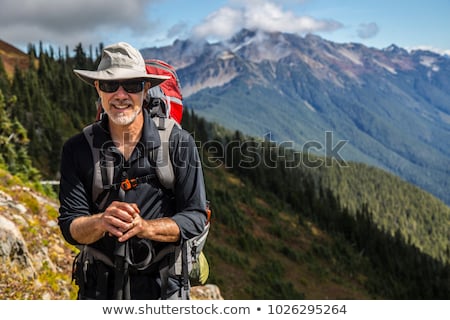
[73, 196]
[190, 194]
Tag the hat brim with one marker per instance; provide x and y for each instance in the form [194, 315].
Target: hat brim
[119, 74]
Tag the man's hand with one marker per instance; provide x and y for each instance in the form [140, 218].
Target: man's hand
[119, 217]
[123, 220]
[116, 220]
[161, 230]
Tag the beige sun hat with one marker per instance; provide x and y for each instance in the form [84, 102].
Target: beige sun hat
[120, 61]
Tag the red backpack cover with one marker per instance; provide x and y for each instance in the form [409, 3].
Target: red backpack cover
[171, 87]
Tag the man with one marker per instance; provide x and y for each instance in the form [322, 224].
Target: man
[147, 217]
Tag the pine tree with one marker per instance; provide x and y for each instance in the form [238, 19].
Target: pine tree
[13, 145]
[4, 83]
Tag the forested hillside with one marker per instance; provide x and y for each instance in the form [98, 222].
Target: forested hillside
[343, 230]
[397, 229]
[50, 102]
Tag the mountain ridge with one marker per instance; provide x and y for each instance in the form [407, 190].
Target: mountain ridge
[391, 105]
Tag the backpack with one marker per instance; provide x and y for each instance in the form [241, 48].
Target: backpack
[187, 259]
[168, 92]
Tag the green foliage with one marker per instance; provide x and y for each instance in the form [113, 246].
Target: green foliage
[13, 144]
[52, 104]
[4, 82]
[398, 208]
[385, 230]
[274, 286]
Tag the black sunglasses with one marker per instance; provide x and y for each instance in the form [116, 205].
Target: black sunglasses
[133, 86]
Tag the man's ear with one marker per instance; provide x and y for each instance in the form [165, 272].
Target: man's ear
[96, 87]
[147, 85]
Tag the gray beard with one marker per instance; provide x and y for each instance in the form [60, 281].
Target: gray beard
[124, 120]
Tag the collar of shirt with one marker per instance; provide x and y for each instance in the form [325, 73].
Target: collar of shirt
[149, 139]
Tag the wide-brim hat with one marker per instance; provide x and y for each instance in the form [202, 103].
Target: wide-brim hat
[120, 61]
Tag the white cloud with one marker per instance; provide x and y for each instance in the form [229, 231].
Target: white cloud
[70, 22]
[221, 24]
[367, 30]
[177, 30]
[259, 14]
[430, 48]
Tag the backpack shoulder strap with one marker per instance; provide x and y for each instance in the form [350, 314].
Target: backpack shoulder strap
[161, 156]
[102, 175]
[88, 132]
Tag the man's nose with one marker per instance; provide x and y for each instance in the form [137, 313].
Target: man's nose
[121, 91]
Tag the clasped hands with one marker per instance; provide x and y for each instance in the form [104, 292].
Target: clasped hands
[122, 220]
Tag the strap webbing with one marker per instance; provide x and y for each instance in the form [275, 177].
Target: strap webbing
[164, 167]
[121, 257]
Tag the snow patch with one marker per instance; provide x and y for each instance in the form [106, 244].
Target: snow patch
[353, 57]
[444, 117]
[235, 49]
[226, 55]
[309, 106]
[385, 66]
[210, 82]
[429, 62]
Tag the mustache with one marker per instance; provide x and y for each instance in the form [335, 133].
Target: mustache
[121, 102]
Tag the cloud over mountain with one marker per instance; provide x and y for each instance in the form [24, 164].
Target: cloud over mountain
[262, 15]
[90, 22]
[367, 30]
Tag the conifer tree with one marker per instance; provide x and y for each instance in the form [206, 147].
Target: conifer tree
[4, 83]
[13, 145]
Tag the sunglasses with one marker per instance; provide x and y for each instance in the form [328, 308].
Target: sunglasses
[133, 86]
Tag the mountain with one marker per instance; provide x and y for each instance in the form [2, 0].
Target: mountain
[389, 108]
[12, 57]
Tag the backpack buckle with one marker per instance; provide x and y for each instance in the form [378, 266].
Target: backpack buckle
[128, 184]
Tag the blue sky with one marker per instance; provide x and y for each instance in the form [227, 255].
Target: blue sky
[147, 23]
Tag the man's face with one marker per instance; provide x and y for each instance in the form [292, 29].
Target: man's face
[122, 100]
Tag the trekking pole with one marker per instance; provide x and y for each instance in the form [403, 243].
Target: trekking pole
[121, 270]
[121, 258]
[120, 266]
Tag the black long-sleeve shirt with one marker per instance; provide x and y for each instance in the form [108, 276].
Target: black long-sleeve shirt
[188, 210]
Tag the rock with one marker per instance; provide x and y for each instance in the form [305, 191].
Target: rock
[206, 292]
[14, 248]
